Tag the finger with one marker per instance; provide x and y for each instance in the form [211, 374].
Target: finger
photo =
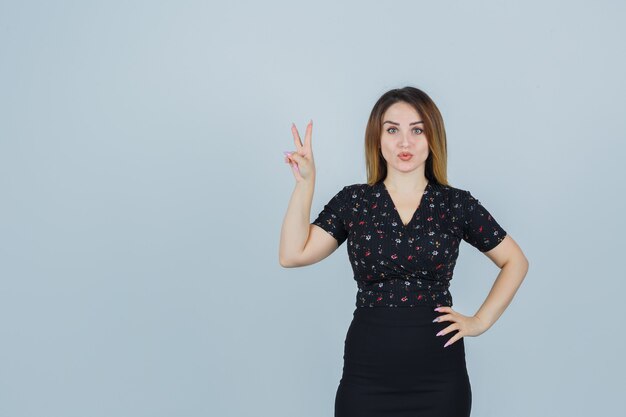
[295, 169]
[445, 317]
[452, 340]
[444, 309]
[290, 154]
[296, 157]
[287, 154]
[448, 329]
[307, 136]
[296, 136]
[294, 161]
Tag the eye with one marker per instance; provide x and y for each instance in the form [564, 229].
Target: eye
[417, 128]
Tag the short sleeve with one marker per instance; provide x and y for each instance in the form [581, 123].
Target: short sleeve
[333, 216]
[480, 229]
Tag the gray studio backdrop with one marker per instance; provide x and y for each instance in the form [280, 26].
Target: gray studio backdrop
[143, 191]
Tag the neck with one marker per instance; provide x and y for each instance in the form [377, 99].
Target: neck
[406, 185]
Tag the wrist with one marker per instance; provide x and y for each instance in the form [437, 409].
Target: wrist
[485, 324]
[308, 183]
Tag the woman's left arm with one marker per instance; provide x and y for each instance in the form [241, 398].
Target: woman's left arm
[508, 256]
[513, 268]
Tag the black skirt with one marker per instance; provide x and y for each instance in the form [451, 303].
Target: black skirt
[395, 365]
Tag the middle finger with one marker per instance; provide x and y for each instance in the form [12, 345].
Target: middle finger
[445, 317]
[307, 136]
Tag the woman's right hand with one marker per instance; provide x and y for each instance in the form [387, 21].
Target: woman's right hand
[301, 160]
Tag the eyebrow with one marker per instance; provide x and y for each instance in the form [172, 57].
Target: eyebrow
[398, 124]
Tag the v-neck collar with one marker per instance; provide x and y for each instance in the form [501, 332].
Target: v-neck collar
[395, 209]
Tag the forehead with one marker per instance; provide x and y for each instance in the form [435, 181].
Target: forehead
[401, 112]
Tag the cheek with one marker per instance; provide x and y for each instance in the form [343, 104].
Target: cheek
[386, 149]
[423, 147]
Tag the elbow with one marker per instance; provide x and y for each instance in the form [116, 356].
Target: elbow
[523, 260]
[285, 263]
[522, 264]
[290, 263]
[527, 264]
[289, 259]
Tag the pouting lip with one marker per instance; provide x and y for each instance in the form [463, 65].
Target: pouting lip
[405, 153]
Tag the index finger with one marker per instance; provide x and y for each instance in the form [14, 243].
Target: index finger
[296, 136]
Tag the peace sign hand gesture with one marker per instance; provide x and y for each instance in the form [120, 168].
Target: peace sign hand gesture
[301, 161]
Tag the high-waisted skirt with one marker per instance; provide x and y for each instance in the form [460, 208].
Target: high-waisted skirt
[395, 365]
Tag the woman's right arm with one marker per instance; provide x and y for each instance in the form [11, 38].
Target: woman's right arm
[303, 243]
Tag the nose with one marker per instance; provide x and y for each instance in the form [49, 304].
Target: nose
[405, 140]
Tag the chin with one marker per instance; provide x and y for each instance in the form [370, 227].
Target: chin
[408, 168]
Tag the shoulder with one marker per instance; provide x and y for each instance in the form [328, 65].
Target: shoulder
[454, 197]
[459, 201]
[356, 195]
[347, 193]
[462, 197]
[449, 190]
[355, 190]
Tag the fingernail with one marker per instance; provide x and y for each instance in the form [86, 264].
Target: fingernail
[445, 345]
[437, 309]
[436, 318]
[439, 334]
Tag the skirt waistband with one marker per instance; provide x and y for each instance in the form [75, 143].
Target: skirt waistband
[398, 316]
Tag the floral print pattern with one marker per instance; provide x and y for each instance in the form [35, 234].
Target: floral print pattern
[398, 265]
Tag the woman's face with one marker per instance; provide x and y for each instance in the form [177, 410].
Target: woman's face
[403, 131]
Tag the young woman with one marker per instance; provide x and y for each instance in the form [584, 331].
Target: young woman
[404, 352]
